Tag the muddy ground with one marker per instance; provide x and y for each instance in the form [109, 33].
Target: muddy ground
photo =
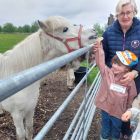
[53, 92]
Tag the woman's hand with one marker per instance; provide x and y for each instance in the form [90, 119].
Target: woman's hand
[126, 116]
[127, 78]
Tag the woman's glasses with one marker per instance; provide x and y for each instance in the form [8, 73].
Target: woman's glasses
[128, 14]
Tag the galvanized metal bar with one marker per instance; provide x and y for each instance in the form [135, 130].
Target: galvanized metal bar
[17, 82]
[56, 115]
[79, 127]
[72, 125]
[89, 123]
[91, 116]
[85, 100]
[88, 108]
[80, 134]
[80, 120]
[88, 115]
[94, 93]
[25, 78]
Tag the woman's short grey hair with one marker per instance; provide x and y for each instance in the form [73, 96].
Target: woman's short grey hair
[122, 3]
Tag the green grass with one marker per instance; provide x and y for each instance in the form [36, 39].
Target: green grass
[92, 74]
[7, 41]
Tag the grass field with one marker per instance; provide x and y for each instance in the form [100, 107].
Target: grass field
[93, 72]
[7, 41]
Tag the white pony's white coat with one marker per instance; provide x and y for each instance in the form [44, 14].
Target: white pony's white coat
[32, 51]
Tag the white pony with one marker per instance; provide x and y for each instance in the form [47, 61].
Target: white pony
[56, 37]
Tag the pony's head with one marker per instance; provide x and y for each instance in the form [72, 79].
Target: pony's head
[70, 36]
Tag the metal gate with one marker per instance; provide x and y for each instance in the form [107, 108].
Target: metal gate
[78, 130]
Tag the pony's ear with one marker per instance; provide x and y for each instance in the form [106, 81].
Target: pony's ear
[42, 25]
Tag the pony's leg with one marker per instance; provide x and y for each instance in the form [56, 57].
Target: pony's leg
[70, 78]
[29, 125]
[18, 122]
[1, 110]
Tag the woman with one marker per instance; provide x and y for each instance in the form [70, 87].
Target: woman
[124, 34]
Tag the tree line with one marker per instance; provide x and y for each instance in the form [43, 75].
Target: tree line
[10, 28]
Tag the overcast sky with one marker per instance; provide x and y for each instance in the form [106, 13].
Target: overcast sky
[85, 12]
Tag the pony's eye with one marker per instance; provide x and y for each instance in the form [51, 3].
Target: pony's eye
[65, 29]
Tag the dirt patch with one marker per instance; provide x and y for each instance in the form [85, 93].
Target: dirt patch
[53, 92]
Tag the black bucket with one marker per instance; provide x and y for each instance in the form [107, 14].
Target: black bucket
[79, 74]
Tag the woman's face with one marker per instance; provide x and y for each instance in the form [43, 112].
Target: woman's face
[125, 17]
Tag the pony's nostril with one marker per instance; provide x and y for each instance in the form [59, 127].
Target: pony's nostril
[92, 37]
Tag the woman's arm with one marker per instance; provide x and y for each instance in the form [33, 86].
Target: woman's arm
[128, 77]
[137, 68]
[132, 93]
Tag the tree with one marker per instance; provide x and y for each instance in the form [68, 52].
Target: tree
[9, 27]
[0, 29]
[20, 29]
[98, 29]
[26, 28]
[34, 27]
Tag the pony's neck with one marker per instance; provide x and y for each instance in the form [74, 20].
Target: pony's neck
[51, 47]
[23, 56]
